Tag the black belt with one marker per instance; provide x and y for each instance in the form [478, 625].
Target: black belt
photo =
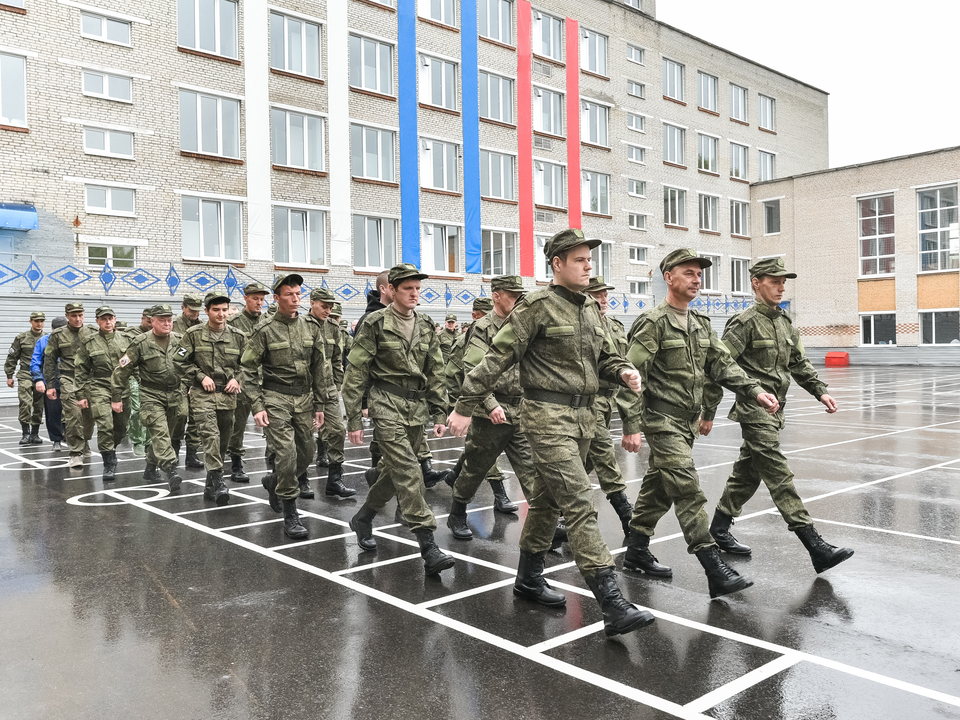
[608, 392]
[399, 391]
[157, 386]
[574, 401]
[666, 408]
[508, 399]
[283, 389]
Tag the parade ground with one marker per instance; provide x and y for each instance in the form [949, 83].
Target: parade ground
[126, 602]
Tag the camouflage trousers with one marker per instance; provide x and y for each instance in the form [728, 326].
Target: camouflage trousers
[190, 429]
[77, 421]
[135, 429]
[399, 473]
[216, 428]
[31, 402]
[561, 482]
[602, 455]
[163, 413]
[290, 436]
[240, 417]
[111, 426]
[761, 460]
[333, 433]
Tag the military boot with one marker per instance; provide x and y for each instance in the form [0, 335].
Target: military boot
[175, 444]
[362, 525]
[306, 492]
[269, 482]
[236, 469]
[431, 477]
[335, 486]
[171, 477]
[35, 435]
[323, 458]
[721, 578]
[292, 526]
[453, 474]
[25, 440]
[215, 489]
[109, 465]
[150, 473]
[501, 503]
[434, 559]
[559, 534]
[823, 555]
[370, 475]
[720, 529]
[623, 508]
[530, 583]
[619, 616]
[457, 521]
[638, 557]
[192, 460]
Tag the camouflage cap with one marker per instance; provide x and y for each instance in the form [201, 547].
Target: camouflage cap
[194, 302]
[451, 318]
[148, 311]
[509, 283]
[161, 310]
[566, 239]
[405, 271]
[121, 325]
[104, 310]
[254, 288]
[337, 310]
[770, 266]
[37, 316]
[322, 294]
[212, 298]
[290, 279]
[483, 304]
[683, 255]
[73, 307]
[598, 284]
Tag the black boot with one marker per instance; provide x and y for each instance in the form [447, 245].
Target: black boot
[306, 492]
[236, 469]
[192, 461]
[434, 559]
[623, 508]
[109, 465]
[214, 489]
[431, 477]
[25, 440]
[35, 435]
[175, 444]
[269, 482]
[370, 475]
[560, 534]
[638, 557]
[457, 521]
[150, 473]
[362, 525]
[721, 578]
[619, 616]
[530, 583]
[452, 475]
[720, 529]
[292, 526]
[171, 477]
[323, 458]
[823, 555]
[335, 486]
[501, 503]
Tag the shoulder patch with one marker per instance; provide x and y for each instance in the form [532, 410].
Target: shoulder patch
[11, 351]
[124, 361]
[181, 352]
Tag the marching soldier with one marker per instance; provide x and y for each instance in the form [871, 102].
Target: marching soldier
[346, 339]
[448, 336]
[135, 429]
[30, 401]
[188, 318]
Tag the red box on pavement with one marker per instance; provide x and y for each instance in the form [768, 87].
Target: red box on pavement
[838, 359]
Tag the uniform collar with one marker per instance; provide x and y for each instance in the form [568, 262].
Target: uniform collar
[251, 315]
[770, 312]
[567, 294]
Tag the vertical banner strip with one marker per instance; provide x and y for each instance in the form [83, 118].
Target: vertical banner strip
[409, 143]
[525, 136]
[338, 47]
[471, 134]
[573, 124]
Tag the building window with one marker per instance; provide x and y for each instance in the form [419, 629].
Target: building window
[673, 139]
[13, 90]
[593, 123]
[438, 82]
[710, 213]
[600, 259]
[499, 251]
[707, 85]
[593, 52]
[939, 328]
[595, 193]
[738, 161]
[496, 20]
[674, 200]
[496, 175]
[739, 218]
[768, 108]
[209, 124]
[638, 255]
[371, 65]
[547, 36]
[294, 45]
[16, 3]
[711, 275]
[771, 217]
[544, 268]
[105, 29]
[374, 242]
[211, 229]
[297, 140]
[877, 244]
[636, 89]
[496, 97]
[639, 286]
[673, 80]
[442, 11]
[636, 221]
[636, 154]
[739, 276]
[208, 25]
[637, 188]
[298, 236]
[707, 151]
[879, 329]
[442, 247]
[120, 257]
[939, 239]
[110, 201]
[108, 87]
[371, 153]
[547, 111]
[635, 54]
[549, 184]
[636, 122]
[438, 165]
[738, 103]
[768, 166]
[111, 143]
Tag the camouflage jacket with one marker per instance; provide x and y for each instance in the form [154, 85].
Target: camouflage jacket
[98, 357]
[245, 321]
[330, 334]
[507, 386]
[157, 366]
[447, 341]
[201, 356]
[21, 351]
[453, 370]
[63, 345]
[181, 324]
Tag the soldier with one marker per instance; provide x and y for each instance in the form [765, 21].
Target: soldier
[448, 336]
[31, 402]
[97, 357]
[135, 429]
[556, 337]
[188, 318]
[398, 352]
[676, 350]
[254, 297]
[52, 407]
[163, 399]
[63, 346]
[346, 339]
[288, 396]
[764, 343]
[209, 360]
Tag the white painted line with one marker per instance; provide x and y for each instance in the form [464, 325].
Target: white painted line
[370, 566]
[744, 682]
[569, 637]
[170, 497]
[218, 507]
[467, 593]
[253, 524]
[889, 532]
[24, 460]
[311, 541]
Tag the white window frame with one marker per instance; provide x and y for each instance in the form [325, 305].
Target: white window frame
[636, 154]
[877, 237]
[637, 122]
[504, 94]
[25, 96]
[638, 254]
[221, 150]
[593, 60]
[505, 30]
[111, 251]
[945, 234]
[555, 32]
[386, 253]
[312, 220]
[448, 153]
[357, 42]
[636, 89]
[446, 9]
[768, 165]
[708, 151]
[768, 113]
[673, 73]
[738, 102]
[674, 140]
[543, 270]
[933, 325]
[221, 228]
[641, 186]
[600, 258]
[768, 205]
[708, 87]
[638, 287]
[106, 79]
[308, 139]
[636, 221]
[109, 209]
[218, 29]
[710, 284]
[709, 212]
[635, 54]
[305, 60]
[739, 160]
[594, 123]
[595, 191]
[107, 143]
[104, 21]
[493, 240]
[674, 206]
[381, 165]
[632, 3]
[429, 250]
[541, 95]
[429, 66]
[870, 318]
[557, 174]
[740, 217]
[740, 276]
[507, 163]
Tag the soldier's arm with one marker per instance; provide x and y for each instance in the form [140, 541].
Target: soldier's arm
[356, 375]
[474, 353]
[724, 371]
[437, 400]
[81, 370]
[336, 360]
[121, 374]
[36, 361]
[186, 362]
[250, 363]
[643, 347]
[324, 391]
[10, 366]
[611, 363]
[734, 340]
[50, 357]
[802, 369]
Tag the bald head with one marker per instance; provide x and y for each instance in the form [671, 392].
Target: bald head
[385, 288]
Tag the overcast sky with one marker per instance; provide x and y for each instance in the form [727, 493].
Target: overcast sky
[890, 67]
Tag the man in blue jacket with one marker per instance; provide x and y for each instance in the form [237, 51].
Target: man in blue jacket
[52, 409]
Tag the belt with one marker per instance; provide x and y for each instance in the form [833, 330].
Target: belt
[508, 399]
[157, 386]
[666, 408]
[608, 392]
[574, 401]
[399, 391]
[283, 389]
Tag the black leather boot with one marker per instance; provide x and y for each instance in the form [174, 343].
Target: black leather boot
[292, 526]
[214, 489]
[530, 583]
[619, 616]
[638, 557]
[175, 444]
[192, 460]
[35, 435]
[623, 508]
[236, 469]
[721, 578]
[457, 521]
[171, 477]
[501, 503]
[452, 475]
[335, 486]
[269, 482]
[150, 473]
[323, 458]
[560, 534]
[362, 525]
[823, 555]
[371, 475]
[431, 477]
[306, 492]
[720, 529]
[434, 559]
[25, 440]
[109, 465]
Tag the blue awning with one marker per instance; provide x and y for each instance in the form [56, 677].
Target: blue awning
[14, 216]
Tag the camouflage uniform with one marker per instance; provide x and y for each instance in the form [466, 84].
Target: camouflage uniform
[21, 351]
[448, 339]
[63, 345]
[98, 356]
[135, 429]
[246, 323]
[194, 439]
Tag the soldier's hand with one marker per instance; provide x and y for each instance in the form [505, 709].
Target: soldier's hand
[52, 393]
[497, 416]
[208, 384]
[355, 437]
[631, 443]
[705, 427]
[458, 424]
[9, 382]
[768, 402]
[233, 387]
[41, 386]
[631, 379]
[261, 419]
[117, 407]
[83, 404]
[830, 403]
[439, 429]
[318, 421]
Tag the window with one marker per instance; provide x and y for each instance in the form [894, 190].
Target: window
[739, 218]
[496, 97]
[710, 213]
[708, 149]
[593, 123]
[673, 210]
[939, 328]
[499, 251]
[738, 103]
[739, 276]
[673, 139]
[638, 255]
[636, 154]
[297, 140]
[549, 184]
[209, 124]
[600, 259]
[120, 257]
[371, 65]
[443, 11]
[547, 111]
[876, 235]
[636, 122]
[547, 34]
[496, 20]
[595, 193]
[294, 45]
[109, 201]
[13, 90]
[939, 238]
[767, 112]
[636, 221]
[637, 188]
[208, 25]
[298, 236]
[738, 161]
[496, 175]
[371, 153]
[771, 217]
[438, 165]
[635, 54]
[711, 275]
[593, 52]
[636, 89]
[707, 85]
[211, 229]
[438, 82]
[441, 244]
[374, 242]
[639, 286]
[112, 143]
[673, 80]
[544, 270]
[15, 3]
[768, 166]
[109, 87]
[879, 329]
[99, 27]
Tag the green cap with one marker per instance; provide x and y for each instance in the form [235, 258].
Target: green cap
[215, 297]
[597, 284]
[73, 307]
[121, 325]
[105, 310]
[271, 308]
[510, 283]
[322, 294]
[337, 310]
[770, 266]
[148, 311]
[405, 271]
[194, 302]
[451, 317]
[678, 257]
[566, 239]
[290, 279]
[254, 288]
[483, 304]
[161, 310]
[37, 316]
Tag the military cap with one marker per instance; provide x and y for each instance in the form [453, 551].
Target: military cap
[598, 284]
[194, 302]
[337, 310]
[213, 298]
[148, 311]
[104, 310]
[566, 239]
[322, 294]
[73, 307]
[254, 288]
[770, 266]
[510, 283]
[59, 322]
[37, 316]
[483, 304]
[405, 271]
[271, 308]
[121, 325]
[451, 317]
[683, 255]
[161, 310]
[291, 279]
